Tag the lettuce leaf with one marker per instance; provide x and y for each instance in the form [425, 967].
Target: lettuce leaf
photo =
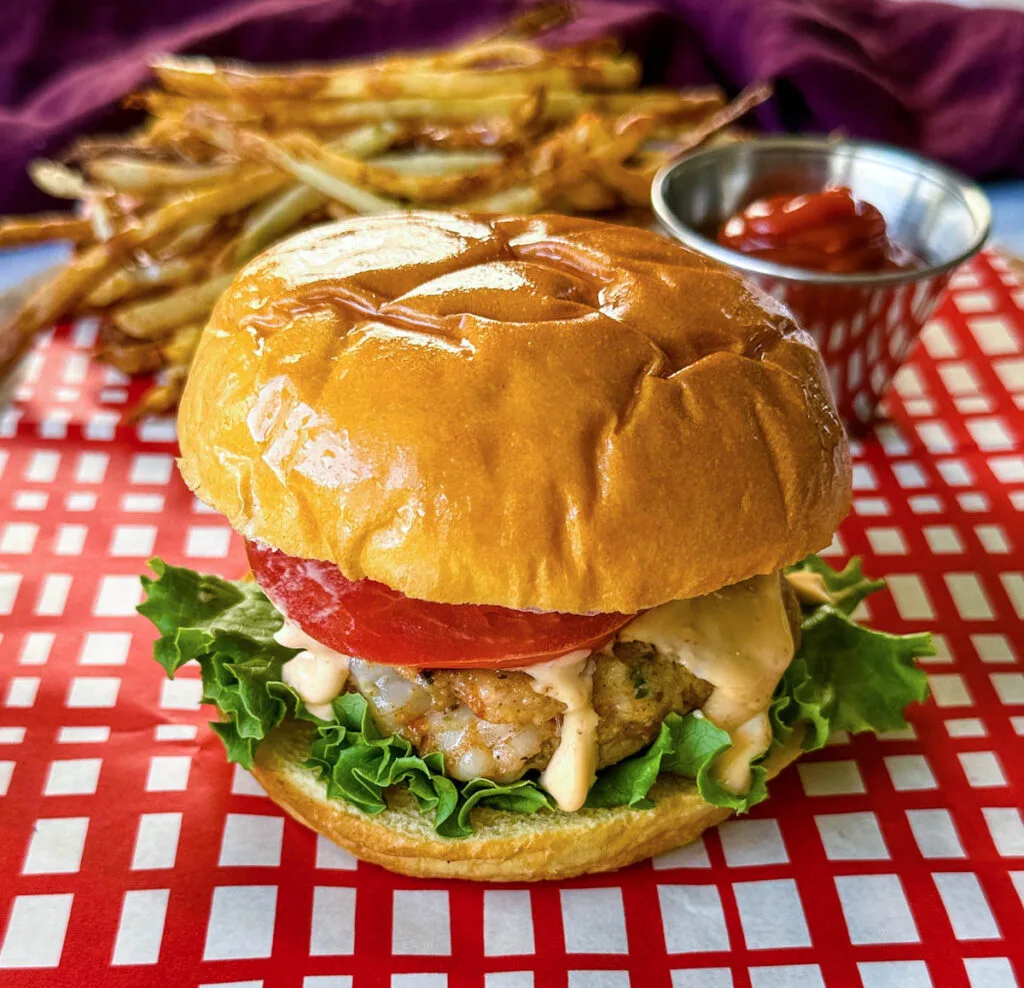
[195, 613]
[228, 628]
[848, 678]
[685, 746]
[358, 764]
[848, 586]
[844, 677]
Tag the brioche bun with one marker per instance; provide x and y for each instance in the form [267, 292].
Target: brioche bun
[542, 412]
[505, 847]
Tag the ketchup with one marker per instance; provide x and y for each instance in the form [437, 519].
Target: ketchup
[819, 231]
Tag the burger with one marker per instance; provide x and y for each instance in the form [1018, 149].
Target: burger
[529, 507]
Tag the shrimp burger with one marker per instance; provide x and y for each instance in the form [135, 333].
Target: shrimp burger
[529, 506]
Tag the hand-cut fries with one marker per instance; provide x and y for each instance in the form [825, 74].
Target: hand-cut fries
[426, 162]
[203, 78]
[16, 231]
[138, 279]
[559, 106]
[275, 217]
[137, 176]
[154, 318]
[233, 157]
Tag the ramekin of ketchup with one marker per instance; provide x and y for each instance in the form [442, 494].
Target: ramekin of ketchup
[818, 231]
[857, 238]
[862, 328]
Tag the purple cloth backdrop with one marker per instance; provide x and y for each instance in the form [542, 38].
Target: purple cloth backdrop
[942, 79]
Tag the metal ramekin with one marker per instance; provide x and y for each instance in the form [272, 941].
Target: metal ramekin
[863, 324]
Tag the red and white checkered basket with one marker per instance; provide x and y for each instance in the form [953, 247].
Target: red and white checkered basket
[863, 333]
[132, 854]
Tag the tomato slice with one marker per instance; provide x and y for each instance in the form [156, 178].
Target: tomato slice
[374, 622]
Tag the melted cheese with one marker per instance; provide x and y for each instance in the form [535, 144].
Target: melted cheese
[573, 766]
[739, 640]
[317, 673]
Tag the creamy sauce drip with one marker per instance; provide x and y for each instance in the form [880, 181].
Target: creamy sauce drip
[809, 587]
[317, 673]
[750, 739]
[739, 640]
[573, 766]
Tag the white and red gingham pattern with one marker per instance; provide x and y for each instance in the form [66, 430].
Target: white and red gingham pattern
[132, 854]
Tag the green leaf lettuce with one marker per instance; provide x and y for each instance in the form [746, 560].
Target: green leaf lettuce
[844, 677]
[847, 587]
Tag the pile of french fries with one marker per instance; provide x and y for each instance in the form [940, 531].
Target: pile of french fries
[232, 158]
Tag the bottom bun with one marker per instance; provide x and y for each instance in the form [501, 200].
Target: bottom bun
[506, 847]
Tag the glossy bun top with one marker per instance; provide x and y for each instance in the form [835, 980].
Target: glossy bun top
[539, 412]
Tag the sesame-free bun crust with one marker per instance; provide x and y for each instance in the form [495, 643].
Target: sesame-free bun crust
[541, 412]
[505, 847]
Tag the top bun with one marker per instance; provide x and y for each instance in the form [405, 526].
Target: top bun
[537, 412]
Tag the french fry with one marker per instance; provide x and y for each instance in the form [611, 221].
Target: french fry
[198, 77]
[180, 347]
[588, 196]
[254, 144]
[436, 162]
[496, 133]
[251, 185]
[169, 136]
[275, 217]
[57, 295]
[169, 108]
[104, 216]
[87, 147]
[222, 260]
[562, 166]
[103, 212]
[500, 51]
[632, 183]
[59, 181]
[154, 318]
[282, 213]
[334, 187]
[137, 279]
[518, 199]
[429, 189]
[130, 358]
[62, 182]
[559, 106]
[185, 239]
[15, 231]
[161, 397]
[52, 299]
[751, 97]
[232, 158]
[139, 177]
[204, 79]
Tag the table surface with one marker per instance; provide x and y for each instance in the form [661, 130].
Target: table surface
[132, 854]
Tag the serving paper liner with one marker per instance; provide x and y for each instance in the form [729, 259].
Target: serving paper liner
[132, 854]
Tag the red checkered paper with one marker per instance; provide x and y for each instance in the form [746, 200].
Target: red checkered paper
[132, 854]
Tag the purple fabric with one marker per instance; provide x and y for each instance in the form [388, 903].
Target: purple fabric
[944, 80]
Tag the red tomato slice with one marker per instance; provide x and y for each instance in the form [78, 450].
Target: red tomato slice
[374, 622]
